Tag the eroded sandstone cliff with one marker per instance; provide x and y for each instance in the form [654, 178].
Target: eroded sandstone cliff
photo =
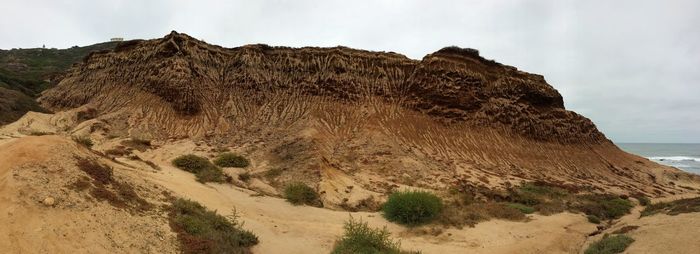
[451, 119]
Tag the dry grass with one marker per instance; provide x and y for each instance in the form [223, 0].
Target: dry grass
[99, 173]
[105, 187]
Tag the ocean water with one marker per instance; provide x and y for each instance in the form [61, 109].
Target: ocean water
[682, 156]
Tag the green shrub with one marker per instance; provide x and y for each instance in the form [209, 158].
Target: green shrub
[604, 206]
[360, 238]
[204, 170]
[593, 219]
[551, 207]
[192, 163]
[231, 160]
[688, 205]
[301, 194]
[522, 208]
[412, 207]
[202, 231]
[616, 208]
[609, 245]
[84, 141]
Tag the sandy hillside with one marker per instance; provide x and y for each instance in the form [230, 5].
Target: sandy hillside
[43, 213]
[34, 168]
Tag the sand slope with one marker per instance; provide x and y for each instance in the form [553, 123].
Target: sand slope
[302, 229]
[35, 168]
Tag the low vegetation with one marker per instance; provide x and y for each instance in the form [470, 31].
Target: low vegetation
[203, 169]
[549, 199]
[231, 160]
[605, 207]
[470, 204]
[676, 207]
[593, 219]
[610, 244]
[100, 174]
[84, 141]
[360, 238]
[105, 187]
[459, 214]
[301, 194]
[643, 200]
[522, 208]
[412, 207]
[203, 231]
[20, 86]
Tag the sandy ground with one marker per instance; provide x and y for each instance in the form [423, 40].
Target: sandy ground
[667, 234]
[35, 168]
[283, 227]
[659, 233]
[31, 169]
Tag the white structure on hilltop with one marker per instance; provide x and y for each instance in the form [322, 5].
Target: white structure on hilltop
[117, 39]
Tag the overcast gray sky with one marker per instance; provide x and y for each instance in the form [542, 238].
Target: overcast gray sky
[631, 66]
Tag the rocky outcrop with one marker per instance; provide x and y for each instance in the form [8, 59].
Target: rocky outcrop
[449, 119]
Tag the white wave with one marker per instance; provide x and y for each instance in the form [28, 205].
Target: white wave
[674, 158]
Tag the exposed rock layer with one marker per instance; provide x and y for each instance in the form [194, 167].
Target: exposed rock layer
[450, 119]
[195, 79]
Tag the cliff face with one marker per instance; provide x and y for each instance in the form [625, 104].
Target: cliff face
[453, 84]
[452, 117]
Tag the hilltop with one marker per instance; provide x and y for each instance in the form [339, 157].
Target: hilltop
[24, 73]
